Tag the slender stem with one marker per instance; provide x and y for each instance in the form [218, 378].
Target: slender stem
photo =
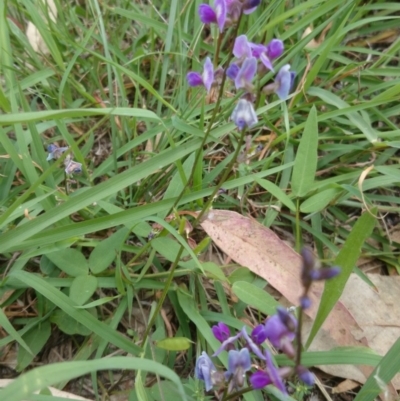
[298, 337]
[163, 295]
[223, 178]
[213, 116]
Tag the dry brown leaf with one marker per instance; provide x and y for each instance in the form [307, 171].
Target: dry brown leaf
[344, 386]
[32, 32]
[54, 391]
[252, 245]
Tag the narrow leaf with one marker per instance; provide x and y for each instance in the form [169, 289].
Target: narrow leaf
[174, 344]
[305, 164]
[346, 259]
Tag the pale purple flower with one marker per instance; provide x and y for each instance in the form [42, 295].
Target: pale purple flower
[216, 15]
[246, 73]
[234, 7]
[55, 151]
[204, 370]
[206, 78]
[221, 332]
[250, 6]
[241, 47]
[239, 363]
[243, 114]
[284, 82]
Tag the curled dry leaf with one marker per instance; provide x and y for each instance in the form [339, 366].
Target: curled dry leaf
[32, 32]
[258, 248]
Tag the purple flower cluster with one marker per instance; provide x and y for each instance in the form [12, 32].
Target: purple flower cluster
[71, 166]
[248, 361]
[251, 60]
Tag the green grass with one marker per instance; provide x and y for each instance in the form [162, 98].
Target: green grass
[113, 88]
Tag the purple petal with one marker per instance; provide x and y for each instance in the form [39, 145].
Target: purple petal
[232, 71]
[250, 6]
[274, 374]
[238, 359]
[325, 273]
[305, 375]
[260, 379]
[207, 14]
[266, 61]
[257, 49]
[194, 79]
[246, 73]
[251, 344]
[241, 47]
[220, 11]
[243, 115]
[277, 332]
[275, 48]
[226, 343]
[284, 80]
[305, 302]
[204, 370]
[259, 334]
[208, 74]
[221, 332]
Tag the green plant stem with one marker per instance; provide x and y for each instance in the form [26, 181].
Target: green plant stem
[163, 295]
[298, 337]
[212, 119]
[223, 178]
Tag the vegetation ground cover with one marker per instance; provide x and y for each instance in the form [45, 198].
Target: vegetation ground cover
[108, 275]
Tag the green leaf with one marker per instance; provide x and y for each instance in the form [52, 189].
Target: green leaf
[80, 315]
[382, 374]
[277, 193]
[68, 325]
[174, 344]
[70, 261]
[35, 339]
[305, 164]
[82, 288]
[319, 201]
[346, 260]
[8, 327]
[44, 376]
[255, 297]
[105, 251]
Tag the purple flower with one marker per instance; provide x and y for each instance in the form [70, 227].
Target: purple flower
[260, 379]
[272, 51]
[232, 71]
[284, 81]
[310, 273]
[241, 48]
[259, 334]
[55, 152]
[251, 344]
[238, 363]
[271, 375]
[204, 370]
[274, 373]
[227, 344]
[216, 15]
[206, 79]
[305, 302]
[221, 332]
[281, 331]
[246, 73]
[250, 6]
[243, 114]
[305, 375]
